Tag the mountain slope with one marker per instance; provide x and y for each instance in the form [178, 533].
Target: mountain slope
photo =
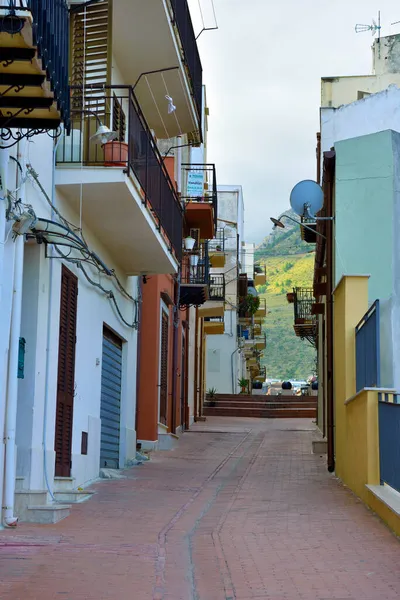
[289, 263]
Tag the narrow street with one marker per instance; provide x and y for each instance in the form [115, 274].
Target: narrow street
[240, 510]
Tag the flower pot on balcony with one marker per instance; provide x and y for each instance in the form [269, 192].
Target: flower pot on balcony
[115, 154]
[290, 297]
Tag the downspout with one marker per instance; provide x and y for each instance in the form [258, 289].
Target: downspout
[186, 416]
[4, 159]
[196, 364]
[201, 386]
[138, 352]
[329, 320]
[318, 152]
[233, 371]
[9, 519]
[175, 351]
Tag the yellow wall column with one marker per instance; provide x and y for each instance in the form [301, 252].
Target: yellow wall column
[350, 304]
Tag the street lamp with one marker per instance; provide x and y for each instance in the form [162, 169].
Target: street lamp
[278, 223]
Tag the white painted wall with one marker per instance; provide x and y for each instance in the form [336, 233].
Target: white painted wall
[222, 360]
[94, 310]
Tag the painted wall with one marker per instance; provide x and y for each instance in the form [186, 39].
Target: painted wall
[356, 415]
[41, 307]
[221, 355]
[364, 210]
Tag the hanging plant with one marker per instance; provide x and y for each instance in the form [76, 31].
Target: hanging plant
[250, 304]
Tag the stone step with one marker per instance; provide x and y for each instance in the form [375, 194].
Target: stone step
[265, 413]
[62, 484]
[73, 496]
[257, 398]
[46, 514]
[262, 404]
[25, 498]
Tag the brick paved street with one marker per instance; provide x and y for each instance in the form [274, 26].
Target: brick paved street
[240, 510]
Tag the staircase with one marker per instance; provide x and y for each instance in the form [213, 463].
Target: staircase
[265, 407]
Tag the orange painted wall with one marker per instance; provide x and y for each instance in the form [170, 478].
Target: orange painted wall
[148, 391]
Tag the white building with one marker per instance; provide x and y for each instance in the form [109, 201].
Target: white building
[105, 213]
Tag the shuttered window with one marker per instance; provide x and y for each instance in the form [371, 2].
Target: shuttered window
[66, 372]
[91, 48]
[164, 369]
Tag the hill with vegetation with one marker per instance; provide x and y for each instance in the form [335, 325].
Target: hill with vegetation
[289, 263]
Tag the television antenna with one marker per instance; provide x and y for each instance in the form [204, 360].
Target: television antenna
[375, 28]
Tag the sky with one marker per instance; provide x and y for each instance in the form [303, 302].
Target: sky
[262, 71]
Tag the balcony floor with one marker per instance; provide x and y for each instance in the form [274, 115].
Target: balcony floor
[112, 209]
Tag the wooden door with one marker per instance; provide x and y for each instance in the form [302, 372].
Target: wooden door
[183, 378]
[66, 373]
[164, 368]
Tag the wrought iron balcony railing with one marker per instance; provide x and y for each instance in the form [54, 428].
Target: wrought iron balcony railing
[303, 301]
[50, 32]
[195, 266]
[201, 185]
[133, 149]
[190, 50]
[217, 287]
[217, 244]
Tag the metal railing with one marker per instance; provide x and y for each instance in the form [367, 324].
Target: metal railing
[196, 266]
[389, 439]
[200, 183]
[368, 349]
[217, 287]
[217, 244]
[303, 301]
[191, 54]
[51, 36]
[134, 149]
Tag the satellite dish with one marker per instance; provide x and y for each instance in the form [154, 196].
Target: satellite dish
[307, 198]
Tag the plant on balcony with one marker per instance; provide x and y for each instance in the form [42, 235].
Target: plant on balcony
[243, 384]
[211, 396]
[115, 154]
[258, 269]
[218, 248]
[250, 304]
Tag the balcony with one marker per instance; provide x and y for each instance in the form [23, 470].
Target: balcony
[214, 326]
[201, 199]
[260, 341]
[154, 44]
[194, 288]
[262, 310]
[260, 275]
[305, 325]
[121, 188]
[34, 90]
[217, 287]
[216, 250]
[262, 375]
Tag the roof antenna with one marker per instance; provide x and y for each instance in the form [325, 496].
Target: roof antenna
[374, 29]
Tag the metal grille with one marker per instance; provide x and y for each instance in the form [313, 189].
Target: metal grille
[110, 406]
[368, 349]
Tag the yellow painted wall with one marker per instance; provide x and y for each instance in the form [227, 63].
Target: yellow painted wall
[356, 414]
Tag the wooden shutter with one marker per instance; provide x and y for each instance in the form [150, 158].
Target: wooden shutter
[66, 373]
[91, 54]
[119, 119]
[164, 368]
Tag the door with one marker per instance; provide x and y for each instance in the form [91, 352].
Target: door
[164, 368]
[110, 403]
[66, 373]
[183, 377]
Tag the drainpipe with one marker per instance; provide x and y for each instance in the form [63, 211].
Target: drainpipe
[233, 370]
[329, 325]
[4, 159]
[138, 351]
[196, 365]
[9, 519]
[175, 351]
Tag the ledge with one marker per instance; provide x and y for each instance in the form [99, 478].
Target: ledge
[371, 389]
[387, 495]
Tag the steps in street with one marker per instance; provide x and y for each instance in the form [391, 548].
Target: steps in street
[265, 407]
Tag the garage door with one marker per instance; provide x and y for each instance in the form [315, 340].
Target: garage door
[110, 408]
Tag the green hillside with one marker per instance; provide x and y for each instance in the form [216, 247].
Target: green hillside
[289, 263]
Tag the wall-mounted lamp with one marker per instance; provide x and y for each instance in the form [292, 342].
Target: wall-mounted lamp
[278, 223]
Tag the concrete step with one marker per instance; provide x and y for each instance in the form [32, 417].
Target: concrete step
[25, 498]
[62, 484]
[73, 496]
[265, 413]
[262, 404]
[258, 398]
[46, 514]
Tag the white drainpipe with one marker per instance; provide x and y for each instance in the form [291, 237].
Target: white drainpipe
[9, 519]
[4, 159]
[178, 166]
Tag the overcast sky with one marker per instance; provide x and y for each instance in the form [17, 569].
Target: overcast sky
[262, 69]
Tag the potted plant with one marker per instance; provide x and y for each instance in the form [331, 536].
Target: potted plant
[211, 396]
[218, 248]
[250, 304]
[115, 154]
[243, 383]
[290, 297]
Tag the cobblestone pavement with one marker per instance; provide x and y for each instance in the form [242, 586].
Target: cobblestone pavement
[240, 510]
